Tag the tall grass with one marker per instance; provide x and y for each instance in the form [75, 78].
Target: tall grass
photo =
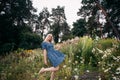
[83, 55]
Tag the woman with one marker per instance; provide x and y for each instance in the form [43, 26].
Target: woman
[54, 56]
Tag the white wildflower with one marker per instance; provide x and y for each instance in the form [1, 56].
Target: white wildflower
[118, 70]
[99, 78]
[76, 77]
[69, 61]
[87, 71]
[114, 58]
[104, 56]
[98, 62]
[76, 62]
[107, 70]
[100, 51]
[77, 56]
[82, 62]
[114, 78]
[108, 50]
[105, 52]
[93, 50]
[64, 66]
[75, 69]
[65, 77]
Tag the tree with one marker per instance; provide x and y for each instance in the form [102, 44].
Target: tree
[79, 28]
[45, 23]
[92, 10]
[14, 18]
[60, 26]
[112, 12]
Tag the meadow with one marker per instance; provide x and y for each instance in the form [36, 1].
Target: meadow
[86, 59]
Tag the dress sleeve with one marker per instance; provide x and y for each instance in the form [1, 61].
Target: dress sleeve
[43, 45]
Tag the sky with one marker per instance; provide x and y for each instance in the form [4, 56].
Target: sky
[71, 7]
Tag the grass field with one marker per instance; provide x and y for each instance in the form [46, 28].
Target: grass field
[86, 59]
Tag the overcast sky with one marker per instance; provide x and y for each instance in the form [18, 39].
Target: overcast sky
[71, 7]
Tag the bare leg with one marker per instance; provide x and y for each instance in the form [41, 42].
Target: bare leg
[52, 75]
[52, 69]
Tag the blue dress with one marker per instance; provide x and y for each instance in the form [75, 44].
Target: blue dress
[54, 56]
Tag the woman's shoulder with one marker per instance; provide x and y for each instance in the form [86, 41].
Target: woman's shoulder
[44, 42]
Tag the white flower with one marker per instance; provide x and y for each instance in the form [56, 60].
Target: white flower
[65, 77]
[98, 62]
[64, 66]
[76, 62]
[76, 77]
[104, 56]
[77, 56]
[118, 70]
[99, 78]
[100, 51]
[69, 61]
[93, 50]
[87, 71]
[108, 50]
[114, 78]
[75, 69]
[114, 58]
[82, 62]
[107, 70]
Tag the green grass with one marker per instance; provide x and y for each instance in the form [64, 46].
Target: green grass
[25, 64]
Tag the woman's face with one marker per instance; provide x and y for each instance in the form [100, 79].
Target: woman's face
[50, 38]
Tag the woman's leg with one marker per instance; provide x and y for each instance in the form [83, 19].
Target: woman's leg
[52, 69]
[52, 75]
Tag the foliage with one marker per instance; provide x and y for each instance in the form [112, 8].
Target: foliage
[66, 37]
[89, 12]
[79, 28]
[30, 41]
[107, 52]
[85, 46]
[14, 20]
[113, 12]
[60, 26]
[102, 17]
[25, 64]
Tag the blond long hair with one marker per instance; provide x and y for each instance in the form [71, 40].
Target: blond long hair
[52, 40]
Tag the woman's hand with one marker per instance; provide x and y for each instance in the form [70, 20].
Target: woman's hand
[45, 62]
[45, 57]
[57, 47]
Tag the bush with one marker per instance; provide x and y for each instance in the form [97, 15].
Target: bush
[107, 52]
[30, 41]
[7, 47]
[66, 37]
[103, 44]
[85, 49]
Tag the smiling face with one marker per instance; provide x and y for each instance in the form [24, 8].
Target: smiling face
[49, 38]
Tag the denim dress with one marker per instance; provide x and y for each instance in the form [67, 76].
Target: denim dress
[54, 56]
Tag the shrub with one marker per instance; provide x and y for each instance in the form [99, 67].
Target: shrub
[7, 47]
[107, 52]
[85, 47]
[66, 37]
[30, 41]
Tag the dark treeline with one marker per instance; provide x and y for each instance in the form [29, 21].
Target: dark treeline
[19, 23]
[15, 28]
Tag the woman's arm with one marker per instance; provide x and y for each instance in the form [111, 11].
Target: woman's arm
[57, 47]
[45, 56]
